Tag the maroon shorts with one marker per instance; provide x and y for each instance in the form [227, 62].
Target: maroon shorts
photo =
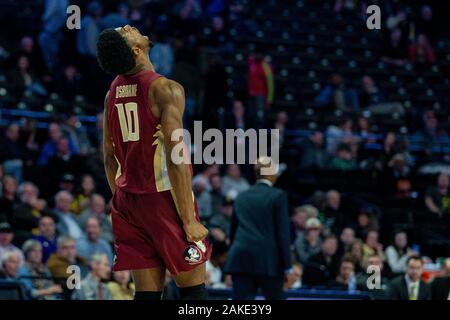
[149, 233]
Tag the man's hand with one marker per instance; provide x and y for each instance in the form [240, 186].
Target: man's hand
[195, 231]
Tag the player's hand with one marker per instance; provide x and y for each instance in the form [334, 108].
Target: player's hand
[195, 231]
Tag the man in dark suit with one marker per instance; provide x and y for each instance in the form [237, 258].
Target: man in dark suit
[409, 286]
[440, 287]
[259, 256]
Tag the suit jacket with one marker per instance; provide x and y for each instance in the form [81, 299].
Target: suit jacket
[259, 233]
[398, 290]
[440, 288]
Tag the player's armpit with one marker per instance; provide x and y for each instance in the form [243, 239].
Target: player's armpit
[110, 162]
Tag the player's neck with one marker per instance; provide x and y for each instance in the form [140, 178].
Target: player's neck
[141, 66]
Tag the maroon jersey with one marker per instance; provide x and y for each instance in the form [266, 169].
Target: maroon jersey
[136, 135]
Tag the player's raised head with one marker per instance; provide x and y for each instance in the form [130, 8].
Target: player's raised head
[118, 50]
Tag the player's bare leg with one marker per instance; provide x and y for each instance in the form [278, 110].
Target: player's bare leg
[149, 283]
[192, 283]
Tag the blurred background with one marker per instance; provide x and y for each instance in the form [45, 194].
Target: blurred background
[363, 116]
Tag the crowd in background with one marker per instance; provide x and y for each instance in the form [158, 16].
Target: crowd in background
[55, 201]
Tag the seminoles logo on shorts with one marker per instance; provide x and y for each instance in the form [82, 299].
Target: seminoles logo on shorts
[192, 255]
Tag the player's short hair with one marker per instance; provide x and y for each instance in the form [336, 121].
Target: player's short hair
[114, 53]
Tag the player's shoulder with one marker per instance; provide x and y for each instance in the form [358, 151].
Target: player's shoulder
[164, 88]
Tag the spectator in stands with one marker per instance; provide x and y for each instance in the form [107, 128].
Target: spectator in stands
[410, 286]
[93, 243]
[69, 82]
[337, 95]
[389, 150]
[430, 132]
[399, 20]
[8, 199]
[220, 223]
[395, 50]
[116, 19]
[261, 87]
[369, 94]
[345, 275]
[67, 183]
[215, 264]
[365, 221]
[333, 212]
[398, 252]
[65, 256]
[372, 245]
[398, 169]
[72, 128]
[64, 160]
[97, 209]
[6, 239]
[421, 53]
[346, 240]
[425, 24]
[54, 18]
[373, 264]
[203, 197]
[162, 54]
[10, 264]
[321, 268]
[24, 79]
[440, 287]
[67, 222]
[35, 275]
[234, 181]
[294, 277]
[26, 216]
[12, 153]
[50, 147]
[47, 237]
[186, 72]
[344, 159]
[121, 288]
[28, 49]
[314, 153]
[310, 244]
[92, 286]
[437, 198]
[237, 119]
[355, 251]
[299, 219]
[342, 133]
[90, 29]
[217, 198]
[206, 174]
[81, 198]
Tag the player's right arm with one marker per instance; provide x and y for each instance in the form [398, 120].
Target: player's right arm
[110, 161]
[168, 96]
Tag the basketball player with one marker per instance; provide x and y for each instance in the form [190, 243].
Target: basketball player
[154, 214]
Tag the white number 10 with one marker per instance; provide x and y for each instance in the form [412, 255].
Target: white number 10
[129, 122]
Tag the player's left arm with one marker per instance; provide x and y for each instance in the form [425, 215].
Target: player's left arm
[110, 161]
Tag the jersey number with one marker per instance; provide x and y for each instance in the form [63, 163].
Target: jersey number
[129, 122]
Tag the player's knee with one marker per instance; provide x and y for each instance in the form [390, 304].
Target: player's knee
[197, 292]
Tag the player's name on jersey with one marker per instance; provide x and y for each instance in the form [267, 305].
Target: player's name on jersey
[126, 91]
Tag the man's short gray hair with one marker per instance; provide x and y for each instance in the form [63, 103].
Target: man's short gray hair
[8, 255]
[31, 245]
[63, 239]
[61, 194]
[97, 257]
